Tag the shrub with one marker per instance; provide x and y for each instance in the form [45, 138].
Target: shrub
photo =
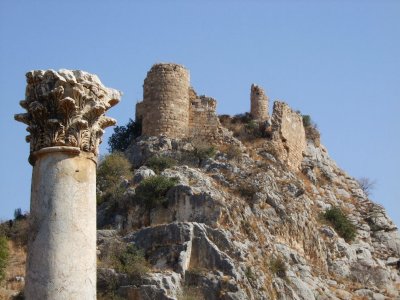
[160, 163]
[311, 130]
[233, 152]
[247, 190]
[253, 129]
[113, 168]
[124, 135]
[340, 223]
[278, 267]
[367, 185]
[307, 120]
[242, 118]
[131, 261]
[204, 151]
[152, 191]
[18, 214]
[4, 253]
[250, 275]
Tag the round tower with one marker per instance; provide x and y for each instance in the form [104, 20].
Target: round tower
[259, 103]
[166, 101]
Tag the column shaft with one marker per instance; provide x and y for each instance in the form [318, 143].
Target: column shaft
[62, 246]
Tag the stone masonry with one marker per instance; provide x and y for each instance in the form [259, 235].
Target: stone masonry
[165, 106]
[171, 107]
[259, 103]
[288, 135]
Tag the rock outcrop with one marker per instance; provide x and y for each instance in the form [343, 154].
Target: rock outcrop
[250, 227]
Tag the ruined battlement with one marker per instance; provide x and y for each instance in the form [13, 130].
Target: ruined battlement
[288, 134]
[165, 106]
[171, 107]
[258, 103]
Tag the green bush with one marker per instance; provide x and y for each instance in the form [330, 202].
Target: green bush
[340, 223]
[278, 267]
[160, 163]
[111, 170]
[202, 152]
[124, 135]
[311, 130]
[152, 191]
[4, 253]
[131, 261]
[253, 129]
[307, 120]
[250, 275]
[18, 214]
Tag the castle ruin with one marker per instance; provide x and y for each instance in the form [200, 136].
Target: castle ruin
[171, 107]
[258, 103]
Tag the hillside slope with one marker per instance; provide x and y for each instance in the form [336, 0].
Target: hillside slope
[242, 224]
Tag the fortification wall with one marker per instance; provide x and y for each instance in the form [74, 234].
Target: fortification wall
[165, 106]
[203, 121]
[288, 134]
[259, 103]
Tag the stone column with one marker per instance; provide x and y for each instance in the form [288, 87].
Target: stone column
[65, 118]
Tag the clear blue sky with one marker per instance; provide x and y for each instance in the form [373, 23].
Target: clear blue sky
[338, 61]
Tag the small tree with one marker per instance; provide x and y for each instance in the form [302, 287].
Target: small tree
[124, 135]
[113, 168]
[4, 253]
[367, 185]
[18, 214]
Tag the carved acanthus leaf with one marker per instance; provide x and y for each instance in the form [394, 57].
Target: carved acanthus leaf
[66, 108]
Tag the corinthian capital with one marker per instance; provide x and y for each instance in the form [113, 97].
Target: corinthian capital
[66, 108]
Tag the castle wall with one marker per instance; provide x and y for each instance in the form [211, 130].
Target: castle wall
[203, 122]
[140, 111]
[165, 107]
[259, 103]
[288, 134]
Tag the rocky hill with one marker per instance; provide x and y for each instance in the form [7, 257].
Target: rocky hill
[236, 221]
[192, 205]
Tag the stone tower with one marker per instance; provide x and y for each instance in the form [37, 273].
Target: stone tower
[65, 118]
[165, 106]
[259, 103]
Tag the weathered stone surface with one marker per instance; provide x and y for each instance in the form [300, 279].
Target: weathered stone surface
[66, 108]
[289, 134]
[165, 106]
[172, 108]
[259, 103]
[61, 261]
[142, 173]
[65, 118]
